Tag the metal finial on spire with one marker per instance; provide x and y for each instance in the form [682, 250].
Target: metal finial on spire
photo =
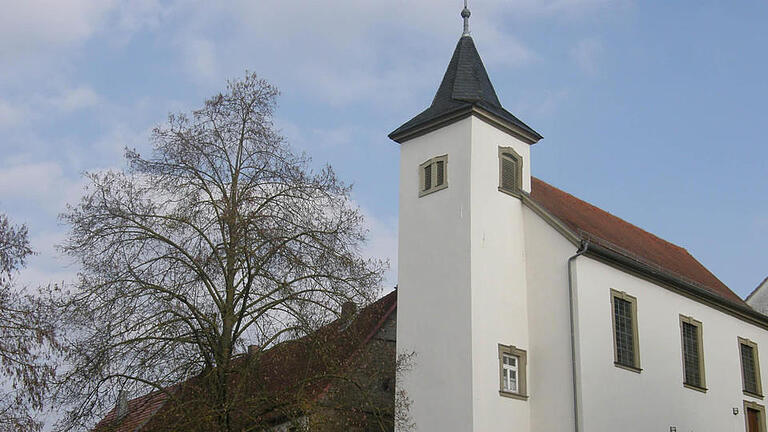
[466, 14]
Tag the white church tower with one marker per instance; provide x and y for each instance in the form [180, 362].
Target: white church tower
[461, 264]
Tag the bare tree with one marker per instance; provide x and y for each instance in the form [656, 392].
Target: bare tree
[27, 337]
[222, 237]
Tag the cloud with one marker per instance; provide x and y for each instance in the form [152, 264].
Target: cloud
[10, 115]
[31, 25]
[200, 60]
[568, 8]
[42, 185]
[48, 265]
[75, 99]
[382, 244]
[311, 139]
[341, 55]
[586, 55]
[143, 14]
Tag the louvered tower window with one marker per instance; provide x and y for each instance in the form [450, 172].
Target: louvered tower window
[433, 175]
[510, 170]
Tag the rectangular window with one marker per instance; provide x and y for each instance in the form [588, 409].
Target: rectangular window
[433, 175]
[625, 340]
[750, 368]
[512, 372]
[693, 353]
[510, 170]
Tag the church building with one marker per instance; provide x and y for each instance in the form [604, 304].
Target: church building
[531, 310]
[522, 307]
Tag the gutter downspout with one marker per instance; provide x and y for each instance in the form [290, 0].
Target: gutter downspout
[576, 418]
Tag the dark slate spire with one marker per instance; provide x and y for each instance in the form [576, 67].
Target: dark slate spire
[465, 89]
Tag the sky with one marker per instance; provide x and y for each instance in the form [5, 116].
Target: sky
[652, 110]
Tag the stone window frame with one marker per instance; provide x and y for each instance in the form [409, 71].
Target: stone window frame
[757, 407]
[758, 378]
[510, 154]
[700, 342]
[432, 163]
[635, 332]
[522, 371]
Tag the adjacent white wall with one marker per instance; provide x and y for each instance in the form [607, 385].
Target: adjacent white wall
[550, 370]
[498, 278]
[758, 300]
[655, 399]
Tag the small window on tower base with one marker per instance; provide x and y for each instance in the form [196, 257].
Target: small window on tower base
[510, 171]
[433, 175]
[512, 372]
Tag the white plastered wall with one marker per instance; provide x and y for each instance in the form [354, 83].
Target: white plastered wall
[433, 313]
[462, 280]
[550, 367]
[759, 299]
[499, 294]
[655, 399]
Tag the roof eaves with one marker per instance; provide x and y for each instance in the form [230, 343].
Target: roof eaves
[621, 258]
[559, 226]
[684, 287]
[412, 130]
[493, 115]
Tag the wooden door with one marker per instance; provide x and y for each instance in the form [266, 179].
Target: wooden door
[753, 420]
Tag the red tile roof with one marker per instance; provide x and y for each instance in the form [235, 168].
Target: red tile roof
[283, 371]
[140, 410]
[601, 227]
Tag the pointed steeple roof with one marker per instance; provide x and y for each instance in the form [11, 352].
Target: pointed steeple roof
[465, 89]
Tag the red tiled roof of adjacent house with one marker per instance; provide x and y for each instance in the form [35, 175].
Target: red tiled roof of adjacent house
[140, 410]
[281, 369]
[610, 231]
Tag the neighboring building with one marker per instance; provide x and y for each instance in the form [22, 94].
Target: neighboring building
[530, 310]
[758, 298]
[341, 378]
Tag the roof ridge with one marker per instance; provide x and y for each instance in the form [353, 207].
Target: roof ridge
[614, 216]
[760, 285]
[587, 221]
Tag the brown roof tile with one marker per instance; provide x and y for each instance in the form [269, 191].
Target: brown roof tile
[610, 231]
[140, 410]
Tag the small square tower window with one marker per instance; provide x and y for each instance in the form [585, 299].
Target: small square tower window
[510, 171]
[433, 175]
